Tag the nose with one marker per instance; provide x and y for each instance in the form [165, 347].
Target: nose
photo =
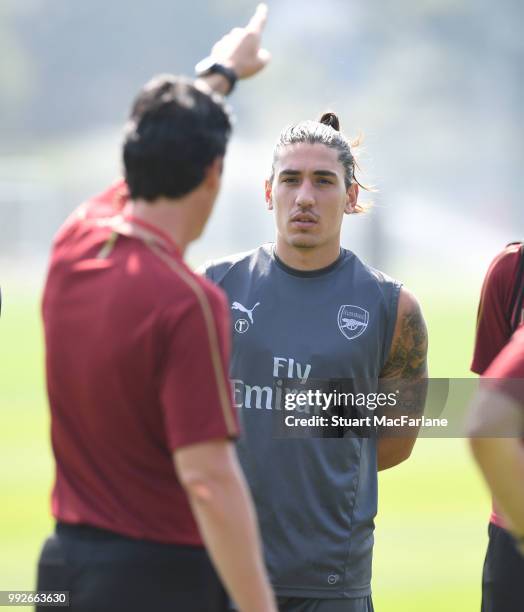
[305, 197]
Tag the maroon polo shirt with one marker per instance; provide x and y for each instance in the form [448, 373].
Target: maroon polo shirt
[137, 354]
[495, 319]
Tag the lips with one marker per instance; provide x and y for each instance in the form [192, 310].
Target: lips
[304, 218]
[303, 221]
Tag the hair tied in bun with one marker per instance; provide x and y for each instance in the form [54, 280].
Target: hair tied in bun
[330, 119]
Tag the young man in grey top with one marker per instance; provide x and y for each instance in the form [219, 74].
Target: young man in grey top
[306, 309]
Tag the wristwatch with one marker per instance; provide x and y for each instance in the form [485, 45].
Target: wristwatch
[209, 66]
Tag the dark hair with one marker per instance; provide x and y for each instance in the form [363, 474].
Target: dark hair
[174, 133]
[325, 131]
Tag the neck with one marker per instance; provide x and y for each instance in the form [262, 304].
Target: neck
[306, 259]
[175, 218]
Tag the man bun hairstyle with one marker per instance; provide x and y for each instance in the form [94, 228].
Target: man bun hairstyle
[174, 132]
[325, 131]
[330, 119]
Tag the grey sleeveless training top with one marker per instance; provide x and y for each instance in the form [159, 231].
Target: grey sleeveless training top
[316, 498]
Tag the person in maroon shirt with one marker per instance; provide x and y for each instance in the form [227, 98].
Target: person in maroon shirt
[500, 313]
[137, 355]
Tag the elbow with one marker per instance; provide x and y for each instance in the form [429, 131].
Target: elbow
[204, 485]
[200, 484]
[198, 487]
[403, 455]
[205, 470]
[395, 457]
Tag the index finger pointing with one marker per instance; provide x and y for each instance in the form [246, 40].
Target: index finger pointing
[258, 21]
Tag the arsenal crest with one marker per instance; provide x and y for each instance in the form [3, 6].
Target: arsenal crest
[352, 321]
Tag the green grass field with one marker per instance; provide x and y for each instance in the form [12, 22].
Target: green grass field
[433, 510]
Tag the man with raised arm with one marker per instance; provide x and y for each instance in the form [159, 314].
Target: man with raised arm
[137, 352]
[304, 310]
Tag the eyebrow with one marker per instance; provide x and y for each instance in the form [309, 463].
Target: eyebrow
[291, 172]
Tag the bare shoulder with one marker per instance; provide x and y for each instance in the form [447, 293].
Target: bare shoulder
[408, 354]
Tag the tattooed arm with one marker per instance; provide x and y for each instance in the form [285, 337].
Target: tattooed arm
[405, 368]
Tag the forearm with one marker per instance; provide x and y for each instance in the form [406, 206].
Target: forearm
[227, 522]
[501, 461]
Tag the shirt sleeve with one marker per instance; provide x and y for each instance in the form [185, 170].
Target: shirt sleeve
[506, 373]
[195, 389]
[493, 319]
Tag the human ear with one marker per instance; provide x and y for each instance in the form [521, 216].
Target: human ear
[269, 194]
[351, 199]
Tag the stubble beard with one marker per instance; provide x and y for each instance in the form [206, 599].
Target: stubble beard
[302, 242]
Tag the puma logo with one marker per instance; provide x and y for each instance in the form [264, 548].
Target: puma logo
[248, 311]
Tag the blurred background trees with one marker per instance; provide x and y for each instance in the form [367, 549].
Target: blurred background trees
[432, 84]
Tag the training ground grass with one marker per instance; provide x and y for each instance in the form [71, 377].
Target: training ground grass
[433, 510]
